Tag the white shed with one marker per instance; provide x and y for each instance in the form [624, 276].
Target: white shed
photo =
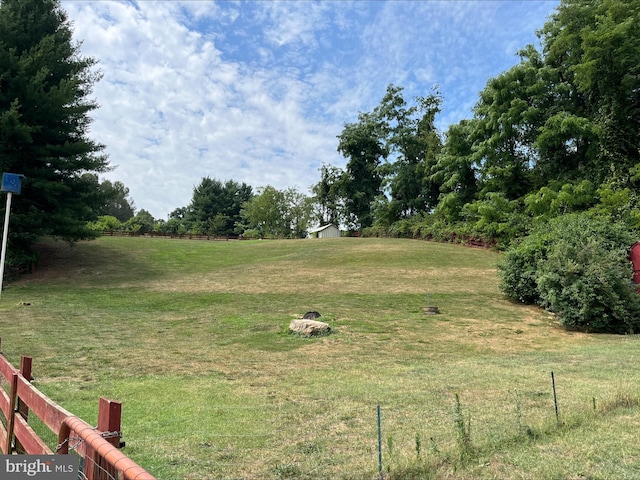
[326, 231]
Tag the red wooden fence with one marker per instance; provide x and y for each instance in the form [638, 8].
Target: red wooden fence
[98, 446]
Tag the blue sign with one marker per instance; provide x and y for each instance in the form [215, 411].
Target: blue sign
[12, 182]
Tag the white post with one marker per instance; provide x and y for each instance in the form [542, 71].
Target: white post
[5, 235]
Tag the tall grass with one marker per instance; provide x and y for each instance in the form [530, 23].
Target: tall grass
[192, 337]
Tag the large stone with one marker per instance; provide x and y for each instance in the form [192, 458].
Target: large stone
[309, 328]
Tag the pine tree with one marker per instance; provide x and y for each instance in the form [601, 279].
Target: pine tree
[45, 86]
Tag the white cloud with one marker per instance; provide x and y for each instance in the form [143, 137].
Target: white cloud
[292, 23]
[258, 91]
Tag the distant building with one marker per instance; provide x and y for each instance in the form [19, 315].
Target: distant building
[326, 231]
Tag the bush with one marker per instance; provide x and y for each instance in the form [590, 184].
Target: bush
[577, 267]
[375, 230]
[519, 268]
[105, 223]
[402, 228]
[497, 218]
[251, 233]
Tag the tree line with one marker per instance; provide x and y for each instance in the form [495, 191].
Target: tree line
[553, 142]
[226, 209]
[557, 133]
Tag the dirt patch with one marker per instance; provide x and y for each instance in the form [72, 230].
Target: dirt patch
[535, 329]
[277, 279]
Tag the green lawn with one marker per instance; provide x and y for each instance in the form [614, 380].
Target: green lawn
[192, 337]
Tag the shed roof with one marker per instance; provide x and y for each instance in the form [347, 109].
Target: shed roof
[324, 227]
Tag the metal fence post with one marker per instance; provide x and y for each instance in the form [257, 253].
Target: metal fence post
[379, 442]
[555, 397]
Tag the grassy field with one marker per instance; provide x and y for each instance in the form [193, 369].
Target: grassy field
[192, 337]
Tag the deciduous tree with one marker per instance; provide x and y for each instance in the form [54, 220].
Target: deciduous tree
[362, 144]
[115, 200]
[274, 213]
[412, 144]
[329, 196]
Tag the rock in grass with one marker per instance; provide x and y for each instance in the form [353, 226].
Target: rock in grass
[311, 316]
[309, 328]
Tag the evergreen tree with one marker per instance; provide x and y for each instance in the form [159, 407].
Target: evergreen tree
[215, 206]
[45, 86]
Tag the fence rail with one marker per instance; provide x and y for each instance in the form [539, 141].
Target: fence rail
[182, 236]
[98, 447]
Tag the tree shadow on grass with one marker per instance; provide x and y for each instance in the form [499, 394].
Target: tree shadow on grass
[90, 262]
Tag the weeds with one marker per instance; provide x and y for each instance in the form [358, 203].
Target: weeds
[390, 446]
[463, 431]
[620, 399]
[518, 411]
[522, 430]
[287, 470]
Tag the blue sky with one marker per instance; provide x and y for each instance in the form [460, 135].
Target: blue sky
[257, 91]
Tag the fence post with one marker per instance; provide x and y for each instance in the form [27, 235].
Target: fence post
[555, 397]
[109, 426]
[21, 408]
[379, 443]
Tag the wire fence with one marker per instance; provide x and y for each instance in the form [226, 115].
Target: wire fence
[314, 440]
[91, 466]
[311, 438]
[319, 439]
[322, 439]
[32, 424]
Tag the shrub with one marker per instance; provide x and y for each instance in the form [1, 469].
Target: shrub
[402, 228]
[519, 268]
[251, 233]
[496, 217]
[578, 267]
[105, 223]
[375, 230]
